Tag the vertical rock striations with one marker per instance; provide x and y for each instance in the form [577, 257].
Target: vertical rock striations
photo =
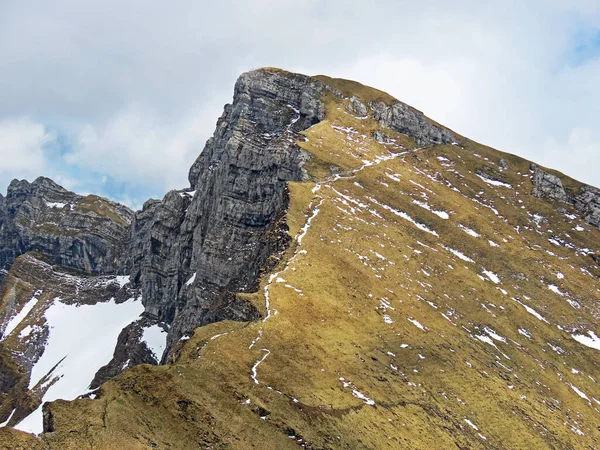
[194, 250]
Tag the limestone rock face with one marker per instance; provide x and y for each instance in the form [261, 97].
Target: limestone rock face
[356, 107]
[83, 233]
[407, 120]
[587, 201]
[193, 251]
[547, 185]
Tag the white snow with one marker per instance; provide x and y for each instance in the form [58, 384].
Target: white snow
[485, 339]
[404, 216]
[81, 340]
[393, 176]
[191, 280]
[531, 311]
[491, 333]
[122, 280]
[556, 290]
[494, 182]
[525, 333]
[255, 366]
[492, 243]
[18, 318]
[363, 397]
[469, 231]
[308, 223]
[156, 340]
[191, 193]
[459, 254]
[439, 213]
[492, 276]
[387, 319]
[416, 324]
[578, 391]
[471, 424]
[592, 340]
[56, 205]
[25, 332]
[3, 424]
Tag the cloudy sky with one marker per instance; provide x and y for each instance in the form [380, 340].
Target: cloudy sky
[118, 98]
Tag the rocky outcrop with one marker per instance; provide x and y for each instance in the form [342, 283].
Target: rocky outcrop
[547, 185]
[406, 120]
[194, 251]
[88, 234]
[587, 202]
[356, 107]
[130, 351]
[158, 255]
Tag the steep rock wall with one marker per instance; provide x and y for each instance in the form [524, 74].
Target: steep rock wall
[194, 250]
[88, 234]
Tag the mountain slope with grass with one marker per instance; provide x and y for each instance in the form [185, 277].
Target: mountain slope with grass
[407, 288]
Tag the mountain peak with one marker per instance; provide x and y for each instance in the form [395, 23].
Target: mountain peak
[343, 272]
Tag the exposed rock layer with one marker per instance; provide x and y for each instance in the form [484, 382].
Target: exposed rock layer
[586, 200]
[88, 234]
[200, 252]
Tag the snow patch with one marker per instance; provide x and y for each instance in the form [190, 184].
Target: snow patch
[592, 340]
[469, 231]
[18, 318]
[404, 216]
[492, 182]
[458, 254]
[416, 324]
[492, 276]
[3, 424]
[58, 205]
[191, 280]
[123, 280]
[156, 340]
[363, 397]
[439, 213]
[579, 392]
[81, 340]
[471, 424]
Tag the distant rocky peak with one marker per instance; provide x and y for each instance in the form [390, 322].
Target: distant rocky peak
[84, 233]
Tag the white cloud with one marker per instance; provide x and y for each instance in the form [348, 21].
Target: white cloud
[140, 148]
[22, 144]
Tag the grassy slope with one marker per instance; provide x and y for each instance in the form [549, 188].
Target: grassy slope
[342, 307]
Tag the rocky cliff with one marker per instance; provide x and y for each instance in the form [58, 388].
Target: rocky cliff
[89, 234]
[194, 251]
